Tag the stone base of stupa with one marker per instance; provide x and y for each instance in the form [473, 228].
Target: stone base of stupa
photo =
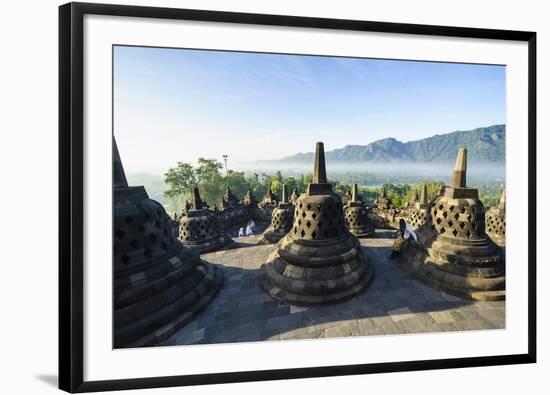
[362, 231]
[473, 270]
[210, 245]
[158, 302]
[271, 237]
[357, 220]
[310, 272]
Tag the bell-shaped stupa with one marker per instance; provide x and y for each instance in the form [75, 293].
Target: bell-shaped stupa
[199, 228]
[357, 216]
[229, 200]
[382, 202]
[270, 198]
[281, 220]
[159, 285]
[420, 212]
[232, 213]
[249, 199]
[318, 261]
[495, 222]
[458, 257]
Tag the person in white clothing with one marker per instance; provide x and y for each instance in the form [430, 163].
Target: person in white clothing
[404, 234]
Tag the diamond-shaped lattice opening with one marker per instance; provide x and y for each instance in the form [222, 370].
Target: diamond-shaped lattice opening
[303, 233]
[450, 223]
[442, 230]
[303, 214]
[440, 207]
[456, 216]
[454, 232]
[313, 235]
[468, 234]
[299, 222]
[308, 206]
[314, 215]
[462, 225]
[451, 208]
[469, 217]
[308, 224]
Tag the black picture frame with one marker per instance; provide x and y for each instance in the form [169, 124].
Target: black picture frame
[71, 224]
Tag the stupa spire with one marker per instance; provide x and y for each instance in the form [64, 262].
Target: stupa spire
[459, 174]
[119, 176]
[284, 198]
[424, 194]
[197, 202]
[502, 202]
[354, 193]
[319, 167]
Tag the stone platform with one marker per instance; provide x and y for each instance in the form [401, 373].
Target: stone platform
[395, 303]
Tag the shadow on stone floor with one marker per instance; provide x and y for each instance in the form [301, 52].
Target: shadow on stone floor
[393, 303]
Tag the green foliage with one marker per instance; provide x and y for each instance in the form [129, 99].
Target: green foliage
[489, 194]
[207, 174]
[433, 190]
[181, 179]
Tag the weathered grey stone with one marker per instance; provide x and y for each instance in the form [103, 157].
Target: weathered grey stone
[199, 228]
[318, 261]
[495, 221]
[457, 255]
[357, 216]
[281, 220]
[420, 212]
[159, 285]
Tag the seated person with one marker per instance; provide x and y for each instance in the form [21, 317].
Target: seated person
[404, 233]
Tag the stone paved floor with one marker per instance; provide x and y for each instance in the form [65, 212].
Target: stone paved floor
[394, 303]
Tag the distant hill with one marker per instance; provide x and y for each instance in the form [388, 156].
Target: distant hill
[483, 144]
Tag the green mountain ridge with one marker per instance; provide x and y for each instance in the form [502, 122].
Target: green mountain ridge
[484, 145]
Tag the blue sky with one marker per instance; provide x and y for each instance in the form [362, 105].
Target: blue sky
[177, 105]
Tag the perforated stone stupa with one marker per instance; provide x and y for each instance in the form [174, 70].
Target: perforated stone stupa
[159, 285]
[318, 261]
[357, 216]
[495, 222]
[281, 220]
[420, 212]
[199, 228]
[249, 199]
[458, 256]
[382, 202]
[232, 212]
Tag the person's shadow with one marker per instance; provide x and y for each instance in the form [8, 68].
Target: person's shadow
[50, 379]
